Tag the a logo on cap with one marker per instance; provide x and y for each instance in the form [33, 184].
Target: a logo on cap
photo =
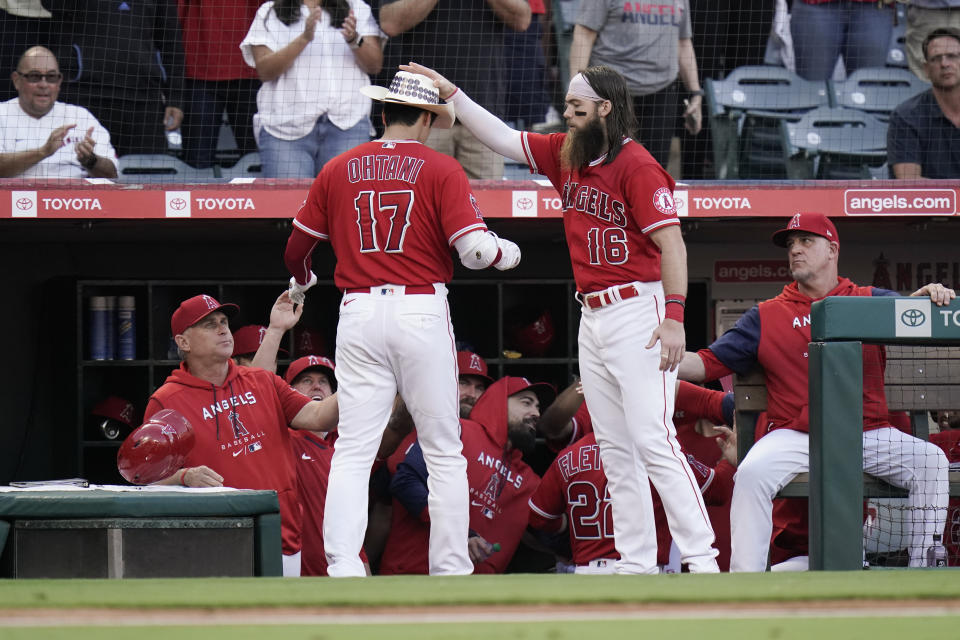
[794, 222]
[313, 360]
[127, 413]
[475, 362]
[210, 302]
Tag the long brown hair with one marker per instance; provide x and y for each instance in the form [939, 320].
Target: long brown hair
[620, 123]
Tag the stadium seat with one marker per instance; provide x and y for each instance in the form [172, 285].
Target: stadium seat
[745, 110]
[897, 53]
[154, 168]
[876, 90]
[835, 143]
[248, 166]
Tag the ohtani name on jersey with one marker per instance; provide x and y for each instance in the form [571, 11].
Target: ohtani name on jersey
[594, 202]
[496, 463]
[374, 167]
[227, 403]
[587, 458]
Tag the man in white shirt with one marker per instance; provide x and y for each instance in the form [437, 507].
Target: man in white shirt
[43, 138]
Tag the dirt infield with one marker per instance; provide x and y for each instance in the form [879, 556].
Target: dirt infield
[467, 614]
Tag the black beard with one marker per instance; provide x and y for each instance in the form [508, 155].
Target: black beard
[585, 145]
[522, 437]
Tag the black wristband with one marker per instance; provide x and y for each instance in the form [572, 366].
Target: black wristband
[698, 92]
[90, 162]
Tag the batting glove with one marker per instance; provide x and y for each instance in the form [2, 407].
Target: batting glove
[298, 291]
[509, 254]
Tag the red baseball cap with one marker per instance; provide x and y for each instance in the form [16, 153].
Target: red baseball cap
[470, 364]
[116, 408]
[815, 223]
[195, 309]
[546, 393]
[247, 339]
[300, 365]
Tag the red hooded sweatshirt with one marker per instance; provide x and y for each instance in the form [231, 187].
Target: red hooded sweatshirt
[500, 483]
[241, 431]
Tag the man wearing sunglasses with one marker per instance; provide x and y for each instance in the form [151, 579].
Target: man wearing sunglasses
[43, 138]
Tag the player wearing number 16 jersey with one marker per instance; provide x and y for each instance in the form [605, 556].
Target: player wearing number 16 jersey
[391, 209]
[629, 263]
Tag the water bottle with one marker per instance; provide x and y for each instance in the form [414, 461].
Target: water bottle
[99, 342]
[111, 328]
[126, 328]
[936, 553]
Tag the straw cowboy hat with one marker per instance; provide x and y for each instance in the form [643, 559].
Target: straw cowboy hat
[417, 91]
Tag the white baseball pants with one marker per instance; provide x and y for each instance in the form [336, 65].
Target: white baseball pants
[774, 460]
[389, 342]
[631, 404]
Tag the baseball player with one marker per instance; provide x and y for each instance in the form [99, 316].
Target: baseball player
[473, 380]
[775, 334]
[629, 263]
[574, 496]
[391, 209]
[501, 428]
[239, 415]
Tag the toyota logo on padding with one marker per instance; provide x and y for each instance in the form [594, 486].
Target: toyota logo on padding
[913, 317]
[24, 203]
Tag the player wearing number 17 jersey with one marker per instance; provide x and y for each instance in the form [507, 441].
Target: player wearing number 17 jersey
[629, 263]
[391, 209]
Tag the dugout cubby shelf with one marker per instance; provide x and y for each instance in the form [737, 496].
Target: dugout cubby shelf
[494, 317]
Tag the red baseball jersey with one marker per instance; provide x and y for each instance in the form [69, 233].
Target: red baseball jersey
[608, 211]
[391, 209]
[949, 441]
[241, 432]
[576, 486]
[312, 455]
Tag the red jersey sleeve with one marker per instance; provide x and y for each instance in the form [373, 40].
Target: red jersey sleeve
[713, 368]
[291, 400]
[460, 213]
[542, 152]
[548, 503]
[698, 402]
[312, 216]
[649, 196]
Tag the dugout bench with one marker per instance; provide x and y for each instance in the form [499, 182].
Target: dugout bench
[138, 532]
[922, 374]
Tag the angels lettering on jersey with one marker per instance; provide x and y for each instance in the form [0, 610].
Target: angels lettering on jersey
[594, 202]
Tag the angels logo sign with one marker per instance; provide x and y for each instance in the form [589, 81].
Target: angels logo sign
[475, 363]
[663, 201]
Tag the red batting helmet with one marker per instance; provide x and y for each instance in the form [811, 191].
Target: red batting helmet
[156, 449]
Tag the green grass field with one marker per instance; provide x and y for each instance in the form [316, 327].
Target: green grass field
[872, 605]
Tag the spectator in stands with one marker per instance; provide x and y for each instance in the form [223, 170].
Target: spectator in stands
[650, 45]
[526, 97]
[825, 30]
[312, 58]
[43, 138]
[501, 428]
[464, 41]
[923, 140]
[775, 335]
[24, 24]
[217, 79]
[923, 16]
[473, 380]
[124, 62]
[239, 414]
[729, 34]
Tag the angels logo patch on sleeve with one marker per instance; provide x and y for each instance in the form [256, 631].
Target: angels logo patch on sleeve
[663, 201]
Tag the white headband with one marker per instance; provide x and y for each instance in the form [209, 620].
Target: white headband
[580, 88]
